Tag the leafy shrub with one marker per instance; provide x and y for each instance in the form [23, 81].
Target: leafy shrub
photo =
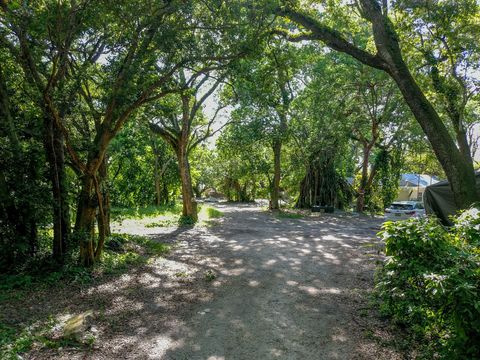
[430, 283]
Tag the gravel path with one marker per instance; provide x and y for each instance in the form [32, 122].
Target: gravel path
[254, 286]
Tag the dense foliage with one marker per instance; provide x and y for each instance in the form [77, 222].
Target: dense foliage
[115, 109]
[138, 103]
[430, 283]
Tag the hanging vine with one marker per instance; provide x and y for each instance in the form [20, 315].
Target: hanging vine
[322, 185]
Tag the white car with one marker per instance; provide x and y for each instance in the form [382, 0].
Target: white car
[402, 210]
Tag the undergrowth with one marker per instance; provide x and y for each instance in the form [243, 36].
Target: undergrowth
[429, 284]
[121, 252]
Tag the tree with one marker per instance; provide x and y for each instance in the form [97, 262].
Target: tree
[266, 87]
[445, 48]
[389, 59]
[24, 195]
[321, 128]
[244, 163]
[141, 62]
[181, 124]
[19, 30]
[378, 122]
[142, 168]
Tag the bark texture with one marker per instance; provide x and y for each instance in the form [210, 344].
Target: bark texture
[55, 151]
[189, 203]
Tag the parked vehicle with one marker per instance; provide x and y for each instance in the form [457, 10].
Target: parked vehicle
[402, 210]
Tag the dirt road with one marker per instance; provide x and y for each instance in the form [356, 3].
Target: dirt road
[278, 289]
[253, 286]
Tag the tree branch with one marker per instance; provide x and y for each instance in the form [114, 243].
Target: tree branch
[330, 37]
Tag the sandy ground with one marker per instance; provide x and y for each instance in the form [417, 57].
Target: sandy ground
[281, 289]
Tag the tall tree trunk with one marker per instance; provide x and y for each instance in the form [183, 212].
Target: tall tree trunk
[189, 203]
[462, 139]
[366, 178]
[254, 188]
[104, 222]
[85, 221]
[363, 181]
[54, 149]
[389, 59]
[275, 196]
[459, 171]
[165, 195]
[458, 168]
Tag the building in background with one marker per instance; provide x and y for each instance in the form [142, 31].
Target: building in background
[412, 186]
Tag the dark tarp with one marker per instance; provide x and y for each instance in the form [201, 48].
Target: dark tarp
[438, 200]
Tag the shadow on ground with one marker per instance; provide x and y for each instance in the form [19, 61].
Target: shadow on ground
[251, 287]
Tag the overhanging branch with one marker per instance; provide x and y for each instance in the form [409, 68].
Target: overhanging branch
[331, 37]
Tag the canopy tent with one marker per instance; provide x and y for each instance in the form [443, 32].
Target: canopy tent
[438, 200]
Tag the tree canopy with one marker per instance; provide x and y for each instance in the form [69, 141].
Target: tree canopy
[133, 103]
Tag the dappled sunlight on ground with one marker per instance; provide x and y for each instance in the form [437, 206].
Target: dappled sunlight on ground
[251, 287]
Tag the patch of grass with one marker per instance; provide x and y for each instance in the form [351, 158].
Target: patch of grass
[167, 216]
[163, 223]
[186, 221]
[157, 249]
[204, 213]
[125, 250]
[207, 216]
[289, 215]
[119, 214]
[113, 263]
[213, 213]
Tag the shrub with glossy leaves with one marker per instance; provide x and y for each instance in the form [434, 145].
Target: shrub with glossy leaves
[430, 283]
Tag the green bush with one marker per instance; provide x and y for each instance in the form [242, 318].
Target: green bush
[430, 283]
